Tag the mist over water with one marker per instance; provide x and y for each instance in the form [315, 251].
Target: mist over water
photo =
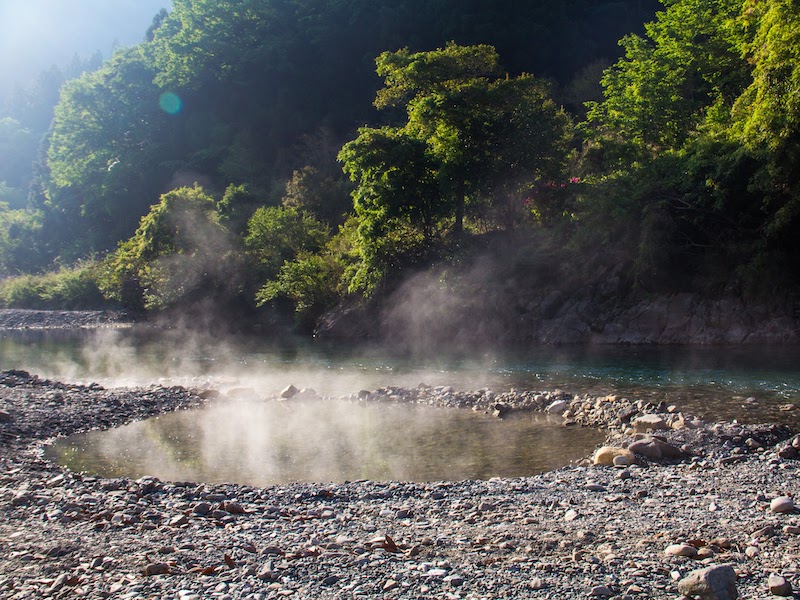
[142, 356]
[269, 442]
[246, 437]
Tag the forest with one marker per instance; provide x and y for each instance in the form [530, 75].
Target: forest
[281, 158]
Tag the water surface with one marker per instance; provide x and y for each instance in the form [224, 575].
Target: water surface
[267, 443]
[260, 442]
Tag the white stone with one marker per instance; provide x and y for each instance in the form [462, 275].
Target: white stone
[782, 504]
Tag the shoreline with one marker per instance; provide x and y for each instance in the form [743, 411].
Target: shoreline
[578, 531]
[23, 318]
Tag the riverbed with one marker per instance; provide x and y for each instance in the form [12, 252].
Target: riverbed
[576, 531]
[717, 494]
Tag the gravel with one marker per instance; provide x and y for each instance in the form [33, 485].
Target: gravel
[18, 318]
[580, 531]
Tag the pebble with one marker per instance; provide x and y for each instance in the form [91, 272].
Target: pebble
[681, 550]
[602, 591]
[782, 504]
[779, 586]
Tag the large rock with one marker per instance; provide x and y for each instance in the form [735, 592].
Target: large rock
[655, 449]
[647, 423]
[711, 583]
[607, 454]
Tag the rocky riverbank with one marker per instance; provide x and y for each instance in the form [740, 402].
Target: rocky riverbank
[19, 318]
[677, 497]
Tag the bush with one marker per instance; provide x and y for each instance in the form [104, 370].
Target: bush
[69, 288]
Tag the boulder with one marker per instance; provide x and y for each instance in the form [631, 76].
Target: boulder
[607, 455]
[655, 449]
[711, 583]
[647, 423]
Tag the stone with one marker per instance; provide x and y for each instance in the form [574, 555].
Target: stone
[607, 454]
[791, 530]
[655, 449]
[681, 550]
[622, 461]
[59, 583]
[159, 568]
[202, 508]
[778, 586]
[5, 416]
[647, 423]
[390, 585]
[557, 407]
[711, 583]
[289, 392]
[601, 591]
[782, 505]
[178, 521]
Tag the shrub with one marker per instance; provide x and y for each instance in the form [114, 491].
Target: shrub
[69, 288]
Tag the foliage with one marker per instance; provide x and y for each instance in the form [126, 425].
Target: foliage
[107, 144]
[310, 281]
[685, 71]
[277, 234]
[66, 289]
[768, 114]
[20, 243]
[696, 143]
[313, 191]
[472, 139]
[179, 251]
[251, 80]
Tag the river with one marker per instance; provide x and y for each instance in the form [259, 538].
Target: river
[249, 442]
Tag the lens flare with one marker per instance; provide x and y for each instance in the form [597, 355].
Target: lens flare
[170, 103]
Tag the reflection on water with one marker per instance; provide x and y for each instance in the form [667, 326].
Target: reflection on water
[265, 442]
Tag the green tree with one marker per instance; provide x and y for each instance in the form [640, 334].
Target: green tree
[768, 113]
[277, 234]
[687, 70]
[107, 150]
[472, 139]
[180, 252]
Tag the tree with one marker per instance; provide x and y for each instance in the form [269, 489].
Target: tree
[689, 68]
[768, 113]
[109, 143]
[277, 234]
[179, 252]
[472, 139]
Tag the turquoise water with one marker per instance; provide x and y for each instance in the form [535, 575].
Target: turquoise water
[260, 442]
[748, 383]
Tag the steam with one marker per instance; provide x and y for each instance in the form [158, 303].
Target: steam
[466, 315]
[267, 442]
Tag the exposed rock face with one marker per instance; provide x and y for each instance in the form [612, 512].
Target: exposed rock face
[585, 318]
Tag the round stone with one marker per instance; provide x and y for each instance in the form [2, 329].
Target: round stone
[782, 504]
